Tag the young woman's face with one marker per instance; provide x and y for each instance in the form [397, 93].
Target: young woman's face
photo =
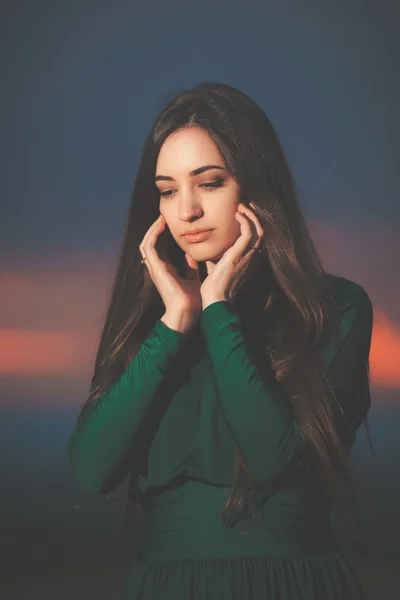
[191, 202]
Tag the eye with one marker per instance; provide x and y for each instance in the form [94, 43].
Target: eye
[208, 186]
[214, 184]
[165, 194]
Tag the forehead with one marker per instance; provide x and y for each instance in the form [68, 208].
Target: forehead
[185, 150]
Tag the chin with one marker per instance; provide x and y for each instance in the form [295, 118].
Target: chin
[203, 255]
[207, 251]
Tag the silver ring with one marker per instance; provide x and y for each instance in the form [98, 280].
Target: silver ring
[143, 259]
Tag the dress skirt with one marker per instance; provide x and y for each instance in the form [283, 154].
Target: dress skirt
[288, 553]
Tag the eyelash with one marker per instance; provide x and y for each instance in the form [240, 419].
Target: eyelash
[208, 186]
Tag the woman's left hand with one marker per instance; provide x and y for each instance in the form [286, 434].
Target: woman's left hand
[225, 277]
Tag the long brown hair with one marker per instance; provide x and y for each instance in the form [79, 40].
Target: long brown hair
[300, 306]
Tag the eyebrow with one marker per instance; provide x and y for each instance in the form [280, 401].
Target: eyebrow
[191, 173]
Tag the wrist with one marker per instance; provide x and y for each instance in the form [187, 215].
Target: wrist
[207, 300]
[180, 321]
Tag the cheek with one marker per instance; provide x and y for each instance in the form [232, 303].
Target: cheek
[234, 223]
[231, 233]
[167, 217]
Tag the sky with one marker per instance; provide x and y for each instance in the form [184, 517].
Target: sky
[82, 82]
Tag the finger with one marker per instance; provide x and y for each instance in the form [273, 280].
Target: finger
[210, 266]
[254, 219]
[255, 225]
[242, 243]
[192, 268]
[150, 229]
[244, 248]
[149, 247]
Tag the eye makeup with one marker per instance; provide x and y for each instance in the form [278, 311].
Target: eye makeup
[219, 182]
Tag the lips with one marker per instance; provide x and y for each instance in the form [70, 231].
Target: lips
[198, 237]
[194, 231]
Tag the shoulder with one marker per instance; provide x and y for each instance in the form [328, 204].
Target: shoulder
[345, 293]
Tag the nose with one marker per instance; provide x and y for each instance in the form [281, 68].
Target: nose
[189, 208]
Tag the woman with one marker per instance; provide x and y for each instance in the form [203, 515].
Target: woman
[232, 373]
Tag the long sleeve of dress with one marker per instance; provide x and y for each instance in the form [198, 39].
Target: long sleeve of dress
[100, 445]
[253, 402]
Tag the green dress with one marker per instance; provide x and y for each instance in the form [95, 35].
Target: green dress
[172, 418]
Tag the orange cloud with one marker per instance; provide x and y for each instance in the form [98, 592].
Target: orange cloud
[25, 352]
[385, 352]
[52, 309]
[50, 353]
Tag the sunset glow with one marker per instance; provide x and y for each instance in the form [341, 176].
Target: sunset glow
[52, 353]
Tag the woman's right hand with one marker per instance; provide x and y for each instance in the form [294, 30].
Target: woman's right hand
[177, 293]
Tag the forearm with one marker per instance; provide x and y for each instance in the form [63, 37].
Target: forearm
[253, 403]
[107, 432]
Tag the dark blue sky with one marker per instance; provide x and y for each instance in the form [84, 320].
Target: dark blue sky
[83, 80]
